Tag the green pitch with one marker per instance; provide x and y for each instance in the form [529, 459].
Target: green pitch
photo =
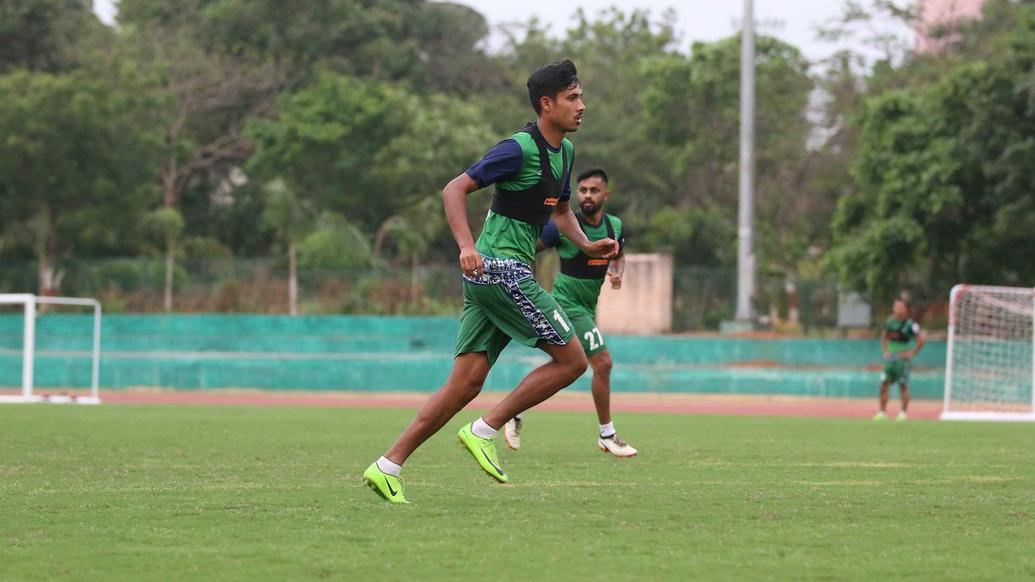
[275, 493]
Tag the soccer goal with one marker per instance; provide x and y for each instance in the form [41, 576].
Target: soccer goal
[28, 352]
[989, 367]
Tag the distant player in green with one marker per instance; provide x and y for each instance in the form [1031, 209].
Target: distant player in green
[577, 290]
[899, 332]
[502, 300]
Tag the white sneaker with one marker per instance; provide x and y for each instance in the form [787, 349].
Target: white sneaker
[512, 433]
[902, 416]
[616, 446]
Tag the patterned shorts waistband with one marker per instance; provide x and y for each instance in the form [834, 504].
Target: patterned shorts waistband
[500, 272]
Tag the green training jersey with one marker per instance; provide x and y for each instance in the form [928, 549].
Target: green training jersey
[900, 333]
[513, 165]
[576, 294]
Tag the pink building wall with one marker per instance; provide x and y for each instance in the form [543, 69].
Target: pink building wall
[933, 14]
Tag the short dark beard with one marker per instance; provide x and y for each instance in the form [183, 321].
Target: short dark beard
[595, 210]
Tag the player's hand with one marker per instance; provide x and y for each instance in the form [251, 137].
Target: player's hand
[471, 262]
[605, 248]
[906, 356]
[887, 356]
[616, 280]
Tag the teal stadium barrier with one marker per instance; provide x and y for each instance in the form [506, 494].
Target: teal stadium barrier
[199, 352]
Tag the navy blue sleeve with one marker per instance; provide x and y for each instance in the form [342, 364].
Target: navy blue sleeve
[502, 163]
[550, 236]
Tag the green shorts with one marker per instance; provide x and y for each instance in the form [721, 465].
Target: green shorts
[588, 332]
[507, 303]
[896, 371]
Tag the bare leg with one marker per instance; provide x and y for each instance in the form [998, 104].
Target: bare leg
[464, 383]
[568, 363]
[601, 364]
[884, 395]
[904, 390]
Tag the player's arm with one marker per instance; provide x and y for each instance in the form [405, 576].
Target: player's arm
[568, 225]
[500, 164]
[920, 341]
[548, 239]
[454, 199]
[616, 270]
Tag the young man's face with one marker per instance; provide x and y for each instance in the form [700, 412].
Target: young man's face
[593, 193]
[899, 311]
[565, 109]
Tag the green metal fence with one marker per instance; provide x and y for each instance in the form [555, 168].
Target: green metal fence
[372, 353]
[702, 297]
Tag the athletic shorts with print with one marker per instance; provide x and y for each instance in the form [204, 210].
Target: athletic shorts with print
[896, 370]
[587, 331]
[504, 303]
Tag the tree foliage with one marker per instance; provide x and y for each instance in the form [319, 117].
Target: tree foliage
[693, 111]
[76, 166]
[945, 181]
[45, 35]
[238, 127]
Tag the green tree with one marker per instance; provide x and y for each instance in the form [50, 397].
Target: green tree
[449, 37]
[75, 166]
[692, 107]
[203, 100]
[413, 231]
[166, 224]
[613, 53]
[325, 141]
[47, 35]
[364, 149]
[292, 218]
[944, 177]
[367, 38]
[334, 243]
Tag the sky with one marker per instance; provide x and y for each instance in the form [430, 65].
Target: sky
[794, 21]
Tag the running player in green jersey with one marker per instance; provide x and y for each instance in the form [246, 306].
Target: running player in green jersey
[577, 290]
[502, 300]
[899, 332]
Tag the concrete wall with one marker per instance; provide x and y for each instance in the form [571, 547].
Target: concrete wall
[644, 303]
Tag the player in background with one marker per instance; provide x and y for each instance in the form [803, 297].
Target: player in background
[502, 300]
[899, 332]
[577, 290]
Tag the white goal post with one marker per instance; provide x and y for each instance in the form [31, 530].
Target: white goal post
[990, 361]
[30, 302]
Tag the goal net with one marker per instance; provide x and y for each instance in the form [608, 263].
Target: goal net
[989, 367]
[49, 343]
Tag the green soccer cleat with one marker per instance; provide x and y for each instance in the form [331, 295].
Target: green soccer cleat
[880, 416]
[484, 451]
[388, 487]
[901, 417]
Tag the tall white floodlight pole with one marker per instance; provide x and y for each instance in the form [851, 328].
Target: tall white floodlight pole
[746, 219]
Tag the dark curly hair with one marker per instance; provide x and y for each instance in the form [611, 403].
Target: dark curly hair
[549, 80]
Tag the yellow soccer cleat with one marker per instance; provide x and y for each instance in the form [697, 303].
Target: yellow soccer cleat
[388, 487]
[483, 451]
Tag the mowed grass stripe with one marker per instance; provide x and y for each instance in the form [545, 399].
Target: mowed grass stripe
[243, 493]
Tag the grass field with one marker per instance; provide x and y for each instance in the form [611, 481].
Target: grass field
[166, 492]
